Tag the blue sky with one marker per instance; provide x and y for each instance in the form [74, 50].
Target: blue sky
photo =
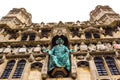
[57, 10]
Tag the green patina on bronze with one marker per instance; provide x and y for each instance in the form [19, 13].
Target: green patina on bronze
[59, 56]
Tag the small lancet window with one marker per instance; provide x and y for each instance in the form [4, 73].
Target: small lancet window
[88, 35]
[24, 37]
[32, 37]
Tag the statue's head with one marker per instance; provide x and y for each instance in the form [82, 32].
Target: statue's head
[59, 41]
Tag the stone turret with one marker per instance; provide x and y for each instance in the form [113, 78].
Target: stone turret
[104, 15]
[16, 18]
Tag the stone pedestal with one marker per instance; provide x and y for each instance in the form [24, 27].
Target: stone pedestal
[59, 72]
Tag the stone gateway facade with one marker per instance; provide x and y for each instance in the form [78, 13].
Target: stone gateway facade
[96, 45]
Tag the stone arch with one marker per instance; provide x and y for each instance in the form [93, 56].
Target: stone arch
[97, 57]
[91, 30]
[22, 60]
[109, 57]
[35, 71]
[83, 70]
[36, 65]
[11, 61]
[31, 33]
[82, 63]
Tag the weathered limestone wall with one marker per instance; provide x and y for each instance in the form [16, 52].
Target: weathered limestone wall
[83, 73]
[35, 75]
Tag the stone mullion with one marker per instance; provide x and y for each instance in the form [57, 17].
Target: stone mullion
[37, 37]
[19, 38]
[117, 63]
[73, 67]
[83, 36]
[2, 67]
[28, 37]
[92, 35]
[93, 70]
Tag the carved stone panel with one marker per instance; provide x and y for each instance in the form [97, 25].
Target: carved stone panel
[59, 31]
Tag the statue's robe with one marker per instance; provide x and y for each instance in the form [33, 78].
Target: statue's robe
[59, 57]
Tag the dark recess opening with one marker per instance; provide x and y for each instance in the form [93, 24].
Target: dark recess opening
[64, 39]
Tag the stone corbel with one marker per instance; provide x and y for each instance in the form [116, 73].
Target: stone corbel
[31, 58]
[2, 31]
[117, 54]
[87, 57]
[2, 59]
[93, 70]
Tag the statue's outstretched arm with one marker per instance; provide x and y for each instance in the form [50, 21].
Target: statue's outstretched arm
[46, 51]
[71, 51]
[50, 52]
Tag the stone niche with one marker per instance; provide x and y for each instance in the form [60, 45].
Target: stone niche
[83, 70]
[35, 71]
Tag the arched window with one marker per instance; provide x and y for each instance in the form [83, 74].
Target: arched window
[108, 31]
[19, 69]
[37, 65]
[111, 64]
[88, 35]
[96, 35]
[82, 63]
[8, 69]
[100, 66]
[32, 37]
[24, 37]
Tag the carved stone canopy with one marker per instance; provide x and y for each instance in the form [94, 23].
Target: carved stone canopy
[29, 31]
[91, 29]
[37, 65]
